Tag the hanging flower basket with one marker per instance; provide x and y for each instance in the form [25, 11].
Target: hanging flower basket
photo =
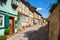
[14, 6]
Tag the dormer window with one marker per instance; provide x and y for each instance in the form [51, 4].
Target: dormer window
[14, 4]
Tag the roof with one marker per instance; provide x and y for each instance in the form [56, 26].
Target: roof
[31, 8]
[38, 13]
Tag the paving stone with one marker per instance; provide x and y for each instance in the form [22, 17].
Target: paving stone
[32, 33]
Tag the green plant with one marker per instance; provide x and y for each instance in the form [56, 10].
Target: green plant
[2, 37]
[54, 5]
[7, 31]
[58, 1]
[19, 15]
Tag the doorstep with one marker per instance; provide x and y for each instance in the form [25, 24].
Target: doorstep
[11, 35]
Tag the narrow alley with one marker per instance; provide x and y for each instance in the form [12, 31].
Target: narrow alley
[29, 19]
[32, 33]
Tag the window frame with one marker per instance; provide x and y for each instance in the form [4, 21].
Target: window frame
[2, 21]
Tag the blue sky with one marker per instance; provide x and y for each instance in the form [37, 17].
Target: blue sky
[42, 5]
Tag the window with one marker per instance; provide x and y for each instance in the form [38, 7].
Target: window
[1, 20]
[14, 1]
[23, 18]
[21, 5]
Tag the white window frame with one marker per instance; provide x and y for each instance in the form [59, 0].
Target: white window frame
[23, 18]
[2, 21]
[21, 4]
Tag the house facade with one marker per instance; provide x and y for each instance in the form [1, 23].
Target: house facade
[28, 15]
[36, 18]
[31, 18]
[24, 18]
[8, 16]
[40, 20]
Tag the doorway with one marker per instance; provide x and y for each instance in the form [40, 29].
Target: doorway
[11, 26]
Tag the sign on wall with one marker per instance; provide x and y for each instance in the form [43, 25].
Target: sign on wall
[1, 21]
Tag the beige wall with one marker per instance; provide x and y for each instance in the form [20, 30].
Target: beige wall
[35, 15]
[39, 20]
[30, 18]
[25, 12]
[25, 22]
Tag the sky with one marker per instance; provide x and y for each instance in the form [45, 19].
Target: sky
[42, 6]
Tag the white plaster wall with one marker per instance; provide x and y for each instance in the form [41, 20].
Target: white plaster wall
[8, 8]
[2, 31]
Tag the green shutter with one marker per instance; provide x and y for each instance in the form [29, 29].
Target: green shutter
[6, 21]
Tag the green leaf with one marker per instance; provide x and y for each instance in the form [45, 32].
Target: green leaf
[53, 7]
[7, 31]
[58, 1]
[19, 15]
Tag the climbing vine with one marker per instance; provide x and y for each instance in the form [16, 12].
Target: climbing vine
[19, 15]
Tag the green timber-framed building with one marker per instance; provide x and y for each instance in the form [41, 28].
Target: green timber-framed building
[8, 17]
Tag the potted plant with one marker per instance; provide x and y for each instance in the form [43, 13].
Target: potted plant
[6, 32]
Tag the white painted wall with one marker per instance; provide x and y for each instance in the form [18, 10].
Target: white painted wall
[8, 8]
[2, 31]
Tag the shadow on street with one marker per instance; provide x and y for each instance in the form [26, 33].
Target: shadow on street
[41, 34]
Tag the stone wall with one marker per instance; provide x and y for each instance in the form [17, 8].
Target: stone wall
[54, 24]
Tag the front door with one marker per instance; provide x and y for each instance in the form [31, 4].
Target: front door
[11, 24]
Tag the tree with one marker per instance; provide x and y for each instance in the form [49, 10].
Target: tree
[58, 1]
[54, 5]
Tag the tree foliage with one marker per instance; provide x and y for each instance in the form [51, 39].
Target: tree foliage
[54, 5]
[58, 1]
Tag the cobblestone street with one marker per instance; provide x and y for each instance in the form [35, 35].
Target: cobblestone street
[28, 34]
[21, 35]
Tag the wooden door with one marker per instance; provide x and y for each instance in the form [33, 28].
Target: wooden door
[11, 25]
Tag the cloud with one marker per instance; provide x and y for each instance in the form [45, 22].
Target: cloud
[39, 9]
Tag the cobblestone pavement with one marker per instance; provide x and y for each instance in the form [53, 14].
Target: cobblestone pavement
[21, 35]
[41, 34]
[29, 33]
